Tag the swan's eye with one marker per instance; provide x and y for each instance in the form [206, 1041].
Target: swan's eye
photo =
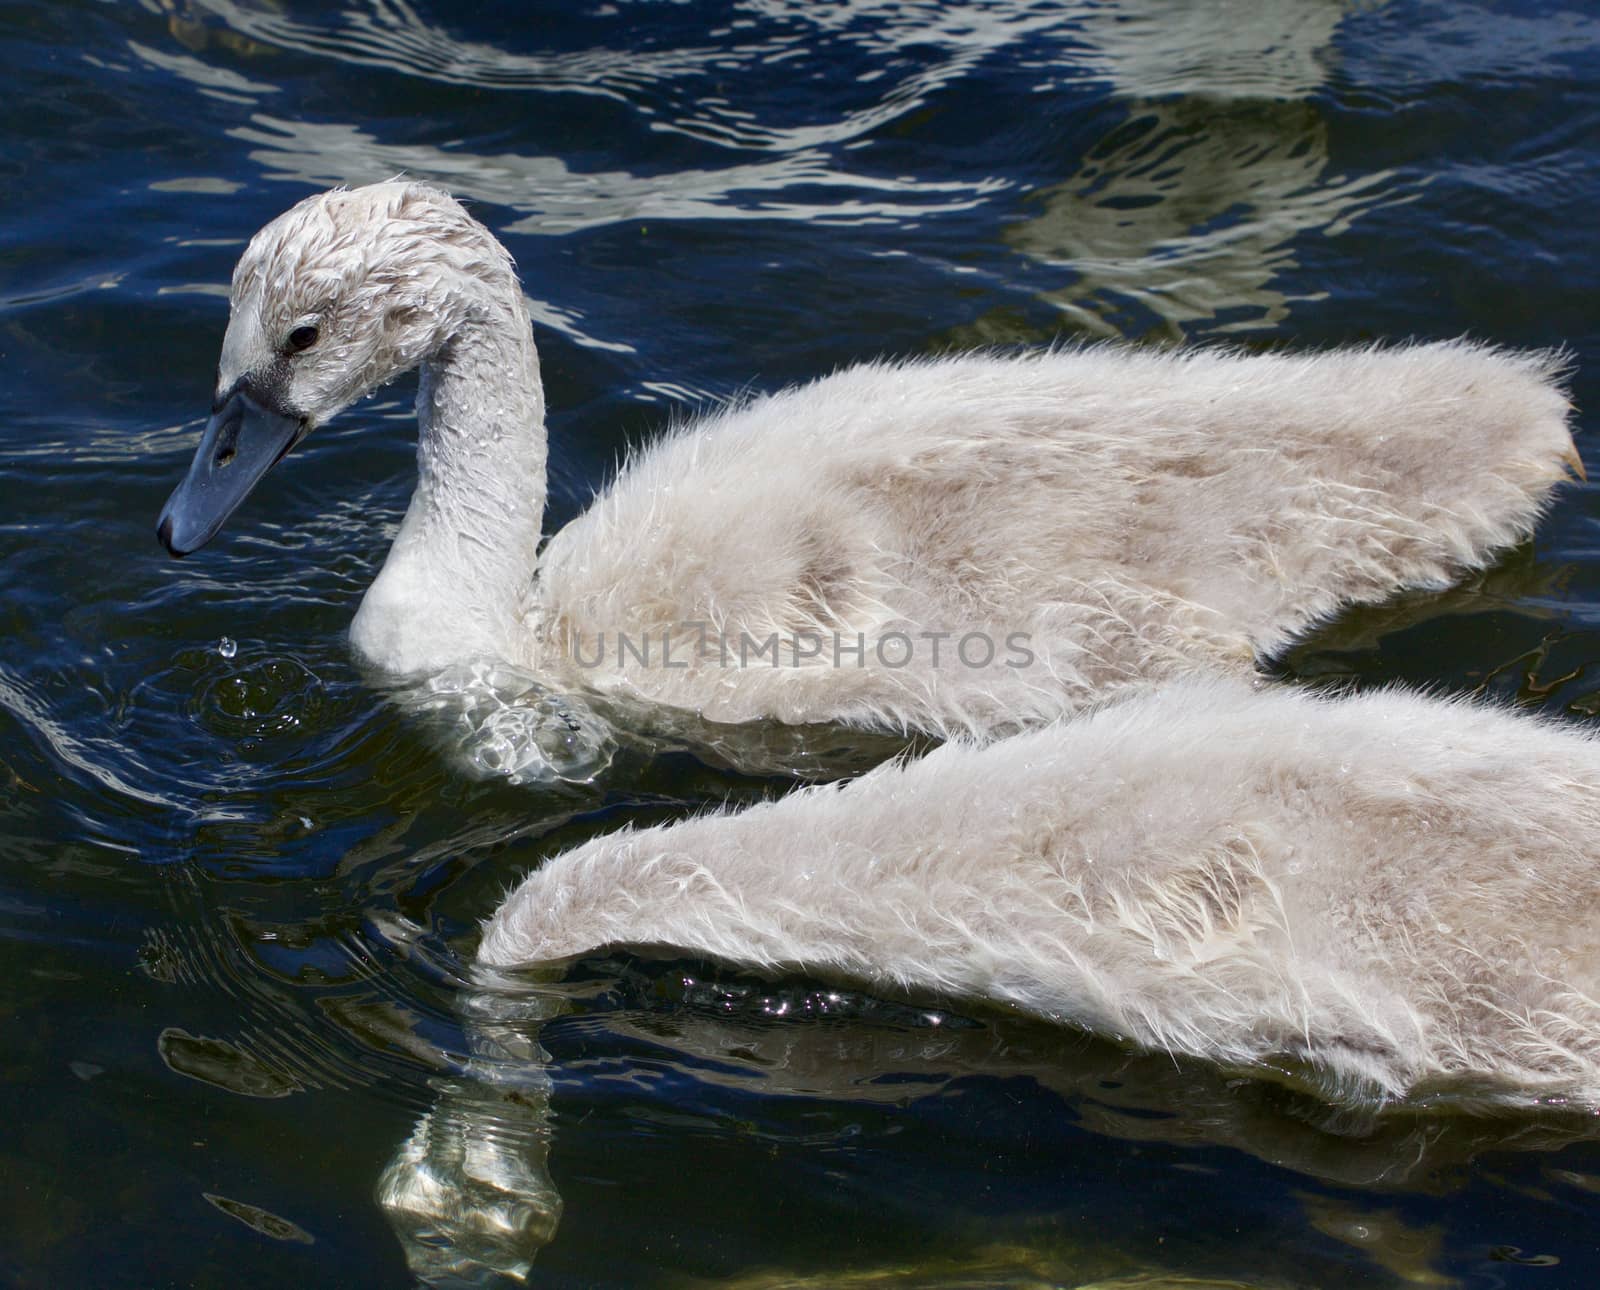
[302, 338]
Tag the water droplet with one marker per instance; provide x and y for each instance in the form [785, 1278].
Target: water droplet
[226, 647]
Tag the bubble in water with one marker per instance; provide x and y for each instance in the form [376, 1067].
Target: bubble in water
[226, 647]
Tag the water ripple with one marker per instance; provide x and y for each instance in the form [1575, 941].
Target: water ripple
[552, 199]
[93, 760]
[316, 1002]
[897, 54]
[390, 34]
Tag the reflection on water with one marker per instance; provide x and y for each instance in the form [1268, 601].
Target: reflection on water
[260, 1220]
[1188, 210]
[469, 1193]
[1153, 49]
[1411, 1254]
[1188, 214]
[471, 1190]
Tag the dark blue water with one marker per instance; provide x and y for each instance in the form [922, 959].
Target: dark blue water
[236, 892]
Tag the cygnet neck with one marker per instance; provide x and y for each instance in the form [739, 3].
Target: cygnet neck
[459, 575]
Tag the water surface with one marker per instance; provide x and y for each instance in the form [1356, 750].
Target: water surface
[238, 886]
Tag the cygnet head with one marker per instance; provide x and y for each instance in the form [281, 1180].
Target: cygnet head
[341, 293]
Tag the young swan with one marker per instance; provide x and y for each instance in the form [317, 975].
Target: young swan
[969, 543]
[1391, 895]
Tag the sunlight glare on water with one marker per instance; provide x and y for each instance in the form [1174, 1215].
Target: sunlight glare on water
[504, 724]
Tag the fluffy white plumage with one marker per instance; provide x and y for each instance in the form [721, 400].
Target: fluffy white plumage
[1391, 894]
[1130, 515]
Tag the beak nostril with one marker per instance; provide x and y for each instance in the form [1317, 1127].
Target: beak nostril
[228, 442]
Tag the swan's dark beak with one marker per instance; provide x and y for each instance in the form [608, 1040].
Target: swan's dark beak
[242, 442]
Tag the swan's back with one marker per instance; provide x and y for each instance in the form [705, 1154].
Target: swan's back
[1394, 892]
[1133, 513]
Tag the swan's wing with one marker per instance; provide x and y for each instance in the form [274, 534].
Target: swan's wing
[1388, 888]
[1125, 509]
